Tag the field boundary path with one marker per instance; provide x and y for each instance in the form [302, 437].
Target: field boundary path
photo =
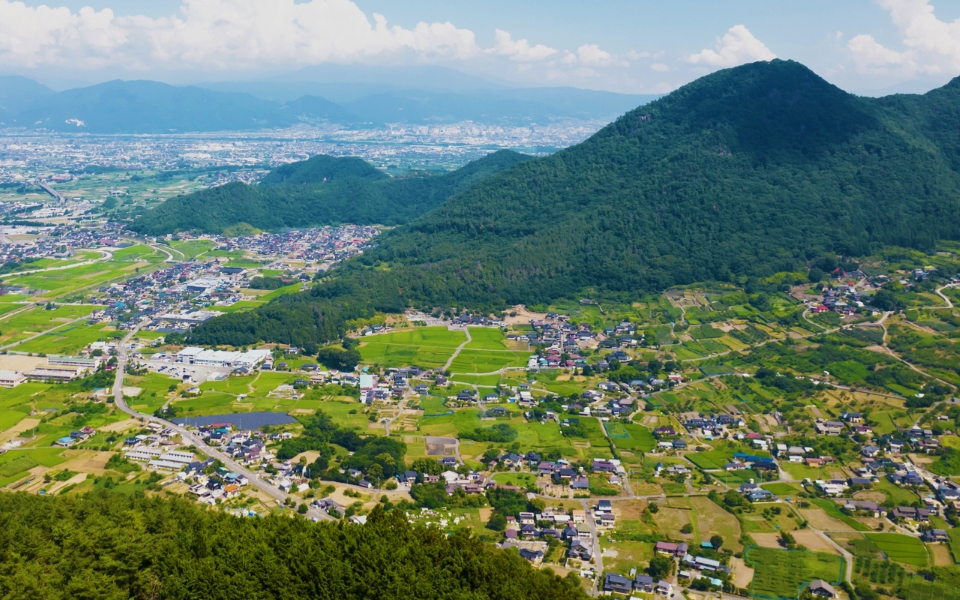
[939, 292]
[43, 333]
[104, 255]
[190, 438]
[466, 330]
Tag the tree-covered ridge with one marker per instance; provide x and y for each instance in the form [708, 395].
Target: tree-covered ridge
[746, 172]
[320, 169]
[319, 191]
[104, 545]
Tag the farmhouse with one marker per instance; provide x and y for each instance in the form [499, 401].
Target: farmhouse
[819, 587]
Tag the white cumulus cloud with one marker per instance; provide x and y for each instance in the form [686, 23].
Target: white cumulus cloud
[736, 47]
[519, 50]
[591, 55]
[217, 33]
[932, 46]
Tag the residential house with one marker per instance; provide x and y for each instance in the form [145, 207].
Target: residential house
[617, 584]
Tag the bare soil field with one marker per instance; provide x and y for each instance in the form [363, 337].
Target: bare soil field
[14, 362]
[76, 479]
[24, 425]
[672, 520]
[767, 540]
[812, 541]
[85, 461]
[941, 555]
[870, 496]
[630, 509]
[742, 574]
[521, 316]
[120, 426]
[713, 519]
[819, 519]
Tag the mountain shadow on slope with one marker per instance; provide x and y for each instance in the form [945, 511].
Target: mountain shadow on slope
[320, 191]
[743, 173]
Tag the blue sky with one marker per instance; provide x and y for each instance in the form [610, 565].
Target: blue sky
[864, 46]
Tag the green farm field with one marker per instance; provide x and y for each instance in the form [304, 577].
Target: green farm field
[125, 263]
[39, 320]
[901, 548]
[487, 361]
[486, 338]
[426, 347]
[781, 573]
[68, 340]
[637, 437]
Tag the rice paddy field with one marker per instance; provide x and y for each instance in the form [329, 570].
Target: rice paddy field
[487, 361]
[425, 347]
[782, 573]
[900, 548]
[630, 437]
[38, 320]
[486, 338]
[57, 284]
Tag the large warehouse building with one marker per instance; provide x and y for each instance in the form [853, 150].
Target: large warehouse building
[219, 358]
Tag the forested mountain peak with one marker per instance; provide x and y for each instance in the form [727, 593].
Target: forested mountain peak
[320, 191]
[321, 168]
[780, 110]
[743, 173]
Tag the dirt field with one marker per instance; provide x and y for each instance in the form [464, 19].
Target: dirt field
[869, 496]
[85, 461]
[13, 362]
[522, 316]
[941, 555]
[310, 455]
[642, 488]
[672, 519]
[713, 519]
[820, 520]
[23, 425]
[120, 426]
[767, 540]
[812, 541]
[630, 509]
[78, 478]
[742, 574]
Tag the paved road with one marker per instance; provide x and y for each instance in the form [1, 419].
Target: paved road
[940, 293]
[597, 558]
[196, 441]
[459, 348]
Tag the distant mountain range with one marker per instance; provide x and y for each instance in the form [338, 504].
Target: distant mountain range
[152, 107]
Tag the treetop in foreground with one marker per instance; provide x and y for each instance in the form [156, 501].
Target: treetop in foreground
[104, 545]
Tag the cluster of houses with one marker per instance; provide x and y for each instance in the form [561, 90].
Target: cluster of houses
[844, 299]
[713, 426]
[212, 487]
[692, 566]
[76, 437]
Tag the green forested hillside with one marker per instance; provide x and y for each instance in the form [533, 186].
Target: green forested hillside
[320, 191]
[322, 168]
[103, 545]
[746, 172]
